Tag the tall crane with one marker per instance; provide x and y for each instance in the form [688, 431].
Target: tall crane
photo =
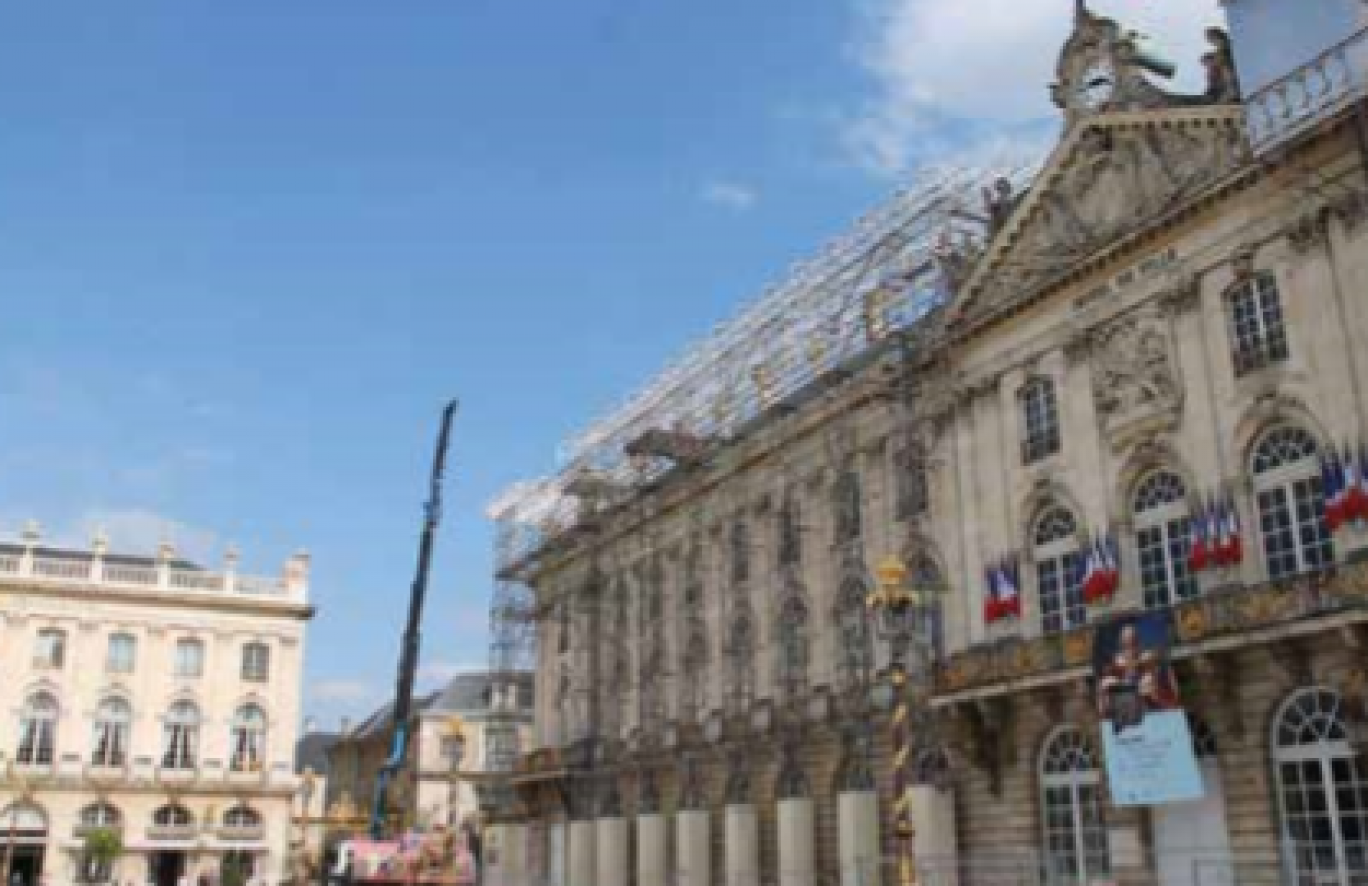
[408, 654]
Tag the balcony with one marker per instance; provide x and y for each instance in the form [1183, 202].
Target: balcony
[1316, 91]
[179, 833]
[242, 833]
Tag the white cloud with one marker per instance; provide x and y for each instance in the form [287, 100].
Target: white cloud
[347, 691]
[947, 72]
[730, 195]
[442, 671]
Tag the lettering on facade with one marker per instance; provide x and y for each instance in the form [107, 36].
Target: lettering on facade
[1146, 270]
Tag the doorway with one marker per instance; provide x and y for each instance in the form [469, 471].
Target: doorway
[1191, 843]
[26, 864]
[166, 868]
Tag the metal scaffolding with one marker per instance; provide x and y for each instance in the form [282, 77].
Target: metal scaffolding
[881, 277]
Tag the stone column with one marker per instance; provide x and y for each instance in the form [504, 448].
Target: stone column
[933, 843]
[693, 859]
[857, 827]
[795, 842]
[581, 865]
[651, 850]
[611, 858]
[742, 847]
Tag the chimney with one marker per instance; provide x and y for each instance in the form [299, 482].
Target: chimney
[346, 725]
[310, 725]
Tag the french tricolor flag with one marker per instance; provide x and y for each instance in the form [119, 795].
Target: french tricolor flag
[992, 599]
[1009, 588]
[1332, 490]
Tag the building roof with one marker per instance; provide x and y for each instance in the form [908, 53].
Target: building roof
[311, 751]
[77, 556]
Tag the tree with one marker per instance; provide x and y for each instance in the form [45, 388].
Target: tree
[102, 847]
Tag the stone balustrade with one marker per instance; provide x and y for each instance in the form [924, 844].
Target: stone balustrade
[1314, 92]
[28, 561]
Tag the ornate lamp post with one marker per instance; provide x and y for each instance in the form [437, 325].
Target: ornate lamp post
[898, 610]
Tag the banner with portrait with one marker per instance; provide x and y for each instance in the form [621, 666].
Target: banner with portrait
[1146, 740]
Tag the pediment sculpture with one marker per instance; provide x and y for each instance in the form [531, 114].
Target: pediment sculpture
[1136, 384]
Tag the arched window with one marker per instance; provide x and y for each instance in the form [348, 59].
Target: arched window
[1162, 539]
[1323, 792]
[100, 815]
[740, 552]
[1287, 488]
[741, 651]
[123, 649]
[1075, 833]
[1257, 335]
[856, 648]
[189, 658]
[248, 739]
[37, 730]
[793, 644]
[50, 650]
[112, 723]
[180, 736]
[242, 818]
[173, 816]
[1040, 436]
[849, 510]
[1058, 571]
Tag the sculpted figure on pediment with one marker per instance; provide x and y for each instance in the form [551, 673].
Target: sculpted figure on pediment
[1135, 380]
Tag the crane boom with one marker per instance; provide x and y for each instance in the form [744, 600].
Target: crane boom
[408, 654]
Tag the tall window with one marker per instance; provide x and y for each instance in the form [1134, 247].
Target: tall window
[97, 816]
[741, 652]
[189, 658]
[1075, 833]
[1059, 577]
[1323, 792]
[248, 739]
[123, 650]
[1257, 334]
[501, 748]
[1162, 539]
[740, 552]
[256, 662]
[50, 650]
[37, 730]
[1039, 421]
[1287, 487]
[848, 507]
[793, 643]
[790, 531]
[695, 676]
[911, 486]
[112, 723]
[856, 648]
[180, 736]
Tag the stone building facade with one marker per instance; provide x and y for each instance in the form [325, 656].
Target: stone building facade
[478, 722]
[151, 697]
[1164, 326]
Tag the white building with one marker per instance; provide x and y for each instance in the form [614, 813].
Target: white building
[153, 697]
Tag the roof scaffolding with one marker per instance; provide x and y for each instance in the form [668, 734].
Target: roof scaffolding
[880, 277]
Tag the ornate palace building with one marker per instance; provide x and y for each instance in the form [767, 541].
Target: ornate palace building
[1146, 363]
[150, 697]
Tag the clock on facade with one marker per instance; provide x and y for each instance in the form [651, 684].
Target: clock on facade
[1096, 85]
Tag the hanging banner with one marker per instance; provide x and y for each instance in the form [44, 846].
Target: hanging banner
[1145, 735]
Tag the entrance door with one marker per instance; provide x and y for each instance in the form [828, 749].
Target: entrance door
[1190, 839]
[167, 868]
[26, 865]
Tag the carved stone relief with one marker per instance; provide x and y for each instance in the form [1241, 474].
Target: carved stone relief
[1136, 386]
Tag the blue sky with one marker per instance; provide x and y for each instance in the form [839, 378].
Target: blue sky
[247, 249]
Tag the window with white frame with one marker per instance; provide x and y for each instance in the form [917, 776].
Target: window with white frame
[241, 818]
[1162, 540]
[1322, 792]
[37, 730]
[1059, 579]
[100, 815]
[113, 720]
[855, 639]
[1040, 437]
[1076, 850]
[123, 650]
[1258, 336]
[1291, 503]
[248, 739]
[50, 649]
[173, 816]
[256, 662]
[189, 658]
[180, 736]
[501, 748]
